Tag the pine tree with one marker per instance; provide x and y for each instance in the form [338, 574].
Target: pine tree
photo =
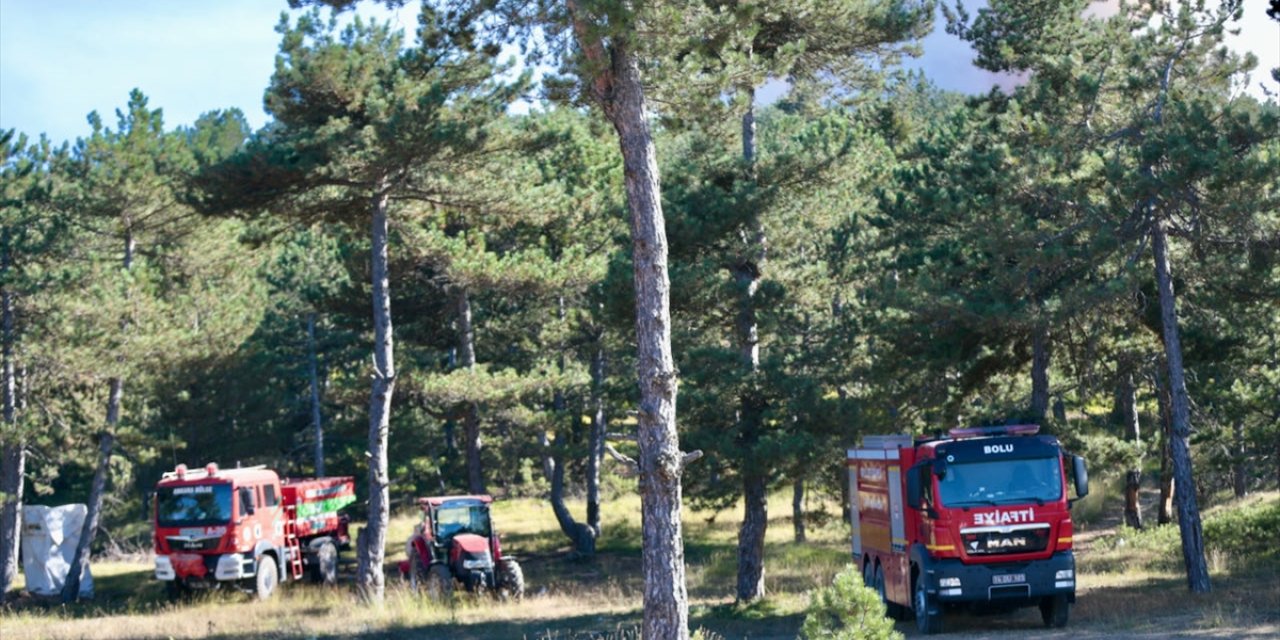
[361, 126]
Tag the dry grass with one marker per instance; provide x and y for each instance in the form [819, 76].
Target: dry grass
[1132, 589]
[568, 597]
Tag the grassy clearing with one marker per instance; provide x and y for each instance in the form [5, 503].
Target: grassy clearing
[568, 597]
[1131, 584]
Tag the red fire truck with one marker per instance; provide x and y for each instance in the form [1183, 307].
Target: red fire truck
[246, 528]
[980, 519]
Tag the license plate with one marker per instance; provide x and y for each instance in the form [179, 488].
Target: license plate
[1009, 578]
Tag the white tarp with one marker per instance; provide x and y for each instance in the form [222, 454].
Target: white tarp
[49, 538]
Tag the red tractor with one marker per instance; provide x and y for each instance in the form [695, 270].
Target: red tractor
[455, 542]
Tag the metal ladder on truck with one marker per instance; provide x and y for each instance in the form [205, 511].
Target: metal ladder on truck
[291, 541]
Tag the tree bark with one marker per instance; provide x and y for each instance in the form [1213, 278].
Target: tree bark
[797, 508]
[12, 474]
[369, 574]
[106, 444]
[471, 415]
[1164, 510]
[580, 534]
[746, 272]
[1127, 409]
[595, 443]
[614, 82]
[1180, 447]
[13, 455]
[1040, 353]
[313, 371]
[1239, 471]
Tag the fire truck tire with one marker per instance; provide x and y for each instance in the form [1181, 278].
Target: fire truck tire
[439, 583]
[268, 577]
[927, 623]
[176, 590]
[510, 579]
[1055, 610]
[893, 610]
[324, 565]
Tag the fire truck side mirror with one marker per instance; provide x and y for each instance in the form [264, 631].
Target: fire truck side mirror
[1082, 476]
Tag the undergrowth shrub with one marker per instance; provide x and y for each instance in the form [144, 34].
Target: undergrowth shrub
[1246, 532]
[847, 610]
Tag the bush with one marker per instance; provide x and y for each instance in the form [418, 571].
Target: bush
[1246, 532]
[847, 610]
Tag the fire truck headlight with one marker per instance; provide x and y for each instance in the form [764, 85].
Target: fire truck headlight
[949, 582]
[230, 567]
[1065, 574]
[164, 568]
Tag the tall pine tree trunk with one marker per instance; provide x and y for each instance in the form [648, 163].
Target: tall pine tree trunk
[1164, 512]
[614, 82]
[12, 470]
[13, 454]
[106, 444]
[369, 573]
[746, 272]
[1180, 433]
[313, 372]
[580, 534]
[1040, 353]
[1127, 409]
[595, 442]
[471, 414]
[797, 508]
[1239, 471]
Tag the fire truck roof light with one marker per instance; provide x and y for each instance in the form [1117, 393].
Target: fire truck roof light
[181, 470]
[211, 469]
[1010, 430]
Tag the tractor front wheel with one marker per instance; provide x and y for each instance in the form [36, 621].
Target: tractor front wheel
[439, 583]
[510, 579]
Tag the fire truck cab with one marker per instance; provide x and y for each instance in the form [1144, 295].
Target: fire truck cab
[241, 527]
[979, 519]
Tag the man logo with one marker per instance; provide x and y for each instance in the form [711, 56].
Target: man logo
[997, 448]
[1007, 543]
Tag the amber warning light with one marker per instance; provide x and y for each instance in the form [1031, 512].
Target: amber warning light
[1010, 430]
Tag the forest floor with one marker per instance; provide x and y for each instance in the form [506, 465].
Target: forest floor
[1126, 589]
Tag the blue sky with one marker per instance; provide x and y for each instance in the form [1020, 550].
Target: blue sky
[61, 59]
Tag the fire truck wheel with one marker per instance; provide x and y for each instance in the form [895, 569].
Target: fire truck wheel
[176, 590]
[267, 578]
[510, 579]
[439, 583]
[1055, 610]
[324, 568]
[894, 610]
[927, 623]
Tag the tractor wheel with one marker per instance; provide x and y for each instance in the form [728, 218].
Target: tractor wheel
[510, 579]
[324, 565]
[1055, 610]
[268, 577]
[439, 583]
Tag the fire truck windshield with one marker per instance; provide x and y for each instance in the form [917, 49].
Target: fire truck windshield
[193, 505]
[997, 482]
